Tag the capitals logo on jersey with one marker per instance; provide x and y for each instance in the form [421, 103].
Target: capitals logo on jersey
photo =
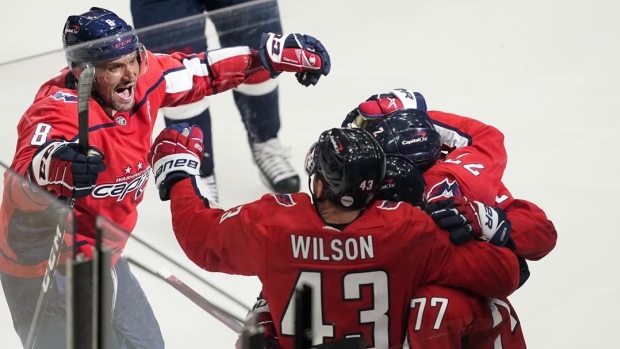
[284, 199]
[66, 97]
[444, 189]
[123, 186]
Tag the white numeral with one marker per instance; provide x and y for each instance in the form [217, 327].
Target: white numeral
[473, 168]
[366, 185]
[378, 314]
[320, 329]
[40, 134]
[422, 305]
[501, 198]
[351, 287]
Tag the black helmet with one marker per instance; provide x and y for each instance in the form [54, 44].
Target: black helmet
[350, 163]
[402, 182]
[410, 133]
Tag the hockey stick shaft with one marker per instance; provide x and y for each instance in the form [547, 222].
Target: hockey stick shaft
[85, 84]
[221, 315]
[190, 272]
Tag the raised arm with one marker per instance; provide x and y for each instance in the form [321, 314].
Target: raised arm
[216, 240]
[189, 78]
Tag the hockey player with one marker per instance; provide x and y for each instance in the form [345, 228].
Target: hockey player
[131, 84]
[471, 166]
[403, 181]
[345, 240]
[467, 197]
[257, 98]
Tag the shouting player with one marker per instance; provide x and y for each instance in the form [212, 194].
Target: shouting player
[364, 258]
[131, 85]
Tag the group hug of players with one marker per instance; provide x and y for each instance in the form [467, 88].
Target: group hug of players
[408, 237]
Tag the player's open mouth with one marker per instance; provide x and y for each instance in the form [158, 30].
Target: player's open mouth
[125, 93]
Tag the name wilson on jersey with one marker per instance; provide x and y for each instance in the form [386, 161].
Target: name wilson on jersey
[320, 249]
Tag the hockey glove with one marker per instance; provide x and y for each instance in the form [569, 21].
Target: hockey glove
[380, 105]
[175, 155]
[464, 220]
[298, 53]
[59, 167]
[260, 316]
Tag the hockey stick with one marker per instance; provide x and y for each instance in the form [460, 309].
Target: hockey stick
[84, 87]
[190, 272]
[231, 321]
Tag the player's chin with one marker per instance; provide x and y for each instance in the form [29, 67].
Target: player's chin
[122, 104]
[122, 107]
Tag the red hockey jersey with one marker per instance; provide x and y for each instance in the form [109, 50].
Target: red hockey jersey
[125, 140]
[363, 276]
[474, 168]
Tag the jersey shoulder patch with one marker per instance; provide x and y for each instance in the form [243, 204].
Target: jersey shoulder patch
[285, 200]
[444, 189]
[65, 97]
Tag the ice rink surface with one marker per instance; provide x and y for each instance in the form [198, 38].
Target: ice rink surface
[544, 72]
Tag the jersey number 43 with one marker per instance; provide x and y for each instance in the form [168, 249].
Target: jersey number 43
[351, 290]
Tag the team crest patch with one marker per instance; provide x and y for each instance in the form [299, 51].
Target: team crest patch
[65, 97]
[284, 199]
[444, 189]
[121, 121]
[389, 205]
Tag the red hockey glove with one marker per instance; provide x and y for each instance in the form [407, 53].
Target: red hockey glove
[175, 154]
[380, 105]
[464, 219]
[261, 316]
[60, 168]
[298, 53]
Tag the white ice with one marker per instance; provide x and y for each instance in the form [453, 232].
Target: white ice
[546, 73]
